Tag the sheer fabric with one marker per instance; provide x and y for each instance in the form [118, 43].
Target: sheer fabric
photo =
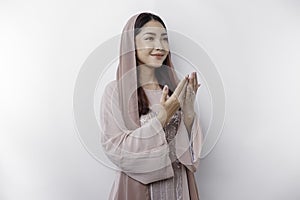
[141, 152]
[161, 165]
[171, 188]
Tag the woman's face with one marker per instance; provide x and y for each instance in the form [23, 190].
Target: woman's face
[152, 45]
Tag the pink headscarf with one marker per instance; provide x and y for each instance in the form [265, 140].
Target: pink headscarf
[127, 75]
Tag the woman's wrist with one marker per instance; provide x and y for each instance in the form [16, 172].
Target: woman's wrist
[188, 116]
[188, 119]
[161, 118]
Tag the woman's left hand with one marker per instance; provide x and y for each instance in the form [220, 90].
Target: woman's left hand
[189, 101]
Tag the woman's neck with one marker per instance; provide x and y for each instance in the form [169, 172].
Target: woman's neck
[147, 78]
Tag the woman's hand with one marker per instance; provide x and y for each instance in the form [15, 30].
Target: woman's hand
[189, 101]
[170, 105]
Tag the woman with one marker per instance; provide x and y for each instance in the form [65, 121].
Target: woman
[149, 127]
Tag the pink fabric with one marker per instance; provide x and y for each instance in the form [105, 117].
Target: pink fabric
[141, 152]
[176, 187]
[127, 76]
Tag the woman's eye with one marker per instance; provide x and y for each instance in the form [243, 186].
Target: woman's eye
[149, 38]
[166, 39]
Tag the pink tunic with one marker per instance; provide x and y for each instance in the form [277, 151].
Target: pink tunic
[158, 157]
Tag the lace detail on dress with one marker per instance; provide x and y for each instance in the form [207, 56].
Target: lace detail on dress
[145, 118]
[168, 189]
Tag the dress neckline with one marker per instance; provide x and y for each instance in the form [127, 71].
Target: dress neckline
[152, 90]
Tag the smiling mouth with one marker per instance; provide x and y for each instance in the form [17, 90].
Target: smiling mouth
[158, 56]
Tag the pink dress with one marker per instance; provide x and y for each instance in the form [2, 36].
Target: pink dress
[155, 156]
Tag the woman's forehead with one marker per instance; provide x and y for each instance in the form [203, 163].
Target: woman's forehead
[153, 26]
[153, 30]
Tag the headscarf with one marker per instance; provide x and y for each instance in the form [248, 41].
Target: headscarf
[127, 75]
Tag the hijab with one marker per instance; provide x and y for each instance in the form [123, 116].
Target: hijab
[127, 75]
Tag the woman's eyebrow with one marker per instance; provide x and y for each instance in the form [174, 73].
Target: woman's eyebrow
[154, 33]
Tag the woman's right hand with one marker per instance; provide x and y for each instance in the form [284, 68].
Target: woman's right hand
[170, 105]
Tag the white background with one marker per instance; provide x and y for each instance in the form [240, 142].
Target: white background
[255, 45]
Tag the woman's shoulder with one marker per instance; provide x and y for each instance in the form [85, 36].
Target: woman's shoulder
[110, 90]
[111, 86]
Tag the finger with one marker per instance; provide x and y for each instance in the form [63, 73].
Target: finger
[182, 94]
[190, 92]
[195, 82]
[183, 91]
[180, 86]
[198, 85]
[191, 80]
[164, 95]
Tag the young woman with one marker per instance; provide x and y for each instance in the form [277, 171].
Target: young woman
[149, 128]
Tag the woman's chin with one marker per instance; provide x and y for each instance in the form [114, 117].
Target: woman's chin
[151, 65]
[155, 65]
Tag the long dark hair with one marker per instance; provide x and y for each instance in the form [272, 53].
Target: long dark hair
[161, 73]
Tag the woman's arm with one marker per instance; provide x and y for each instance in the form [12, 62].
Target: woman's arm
[189, 121]
[141, 153]
[189, 143]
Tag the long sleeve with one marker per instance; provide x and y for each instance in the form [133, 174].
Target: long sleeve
[141, 153]
[188, 146]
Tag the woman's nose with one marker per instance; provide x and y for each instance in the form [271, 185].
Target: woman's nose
[158, 45]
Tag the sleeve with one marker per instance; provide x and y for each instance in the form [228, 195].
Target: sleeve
[188, 145]
[143, 153]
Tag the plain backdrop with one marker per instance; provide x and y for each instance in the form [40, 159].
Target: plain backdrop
[255, 46]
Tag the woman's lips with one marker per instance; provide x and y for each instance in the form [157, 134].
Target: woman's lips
[158, 56]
